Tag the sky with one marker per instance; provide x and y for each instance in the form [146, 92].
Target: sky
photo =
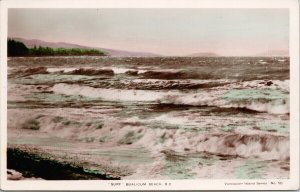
[170, 32]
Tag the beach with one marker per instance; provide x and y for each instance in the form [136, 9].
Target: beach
[96, 117]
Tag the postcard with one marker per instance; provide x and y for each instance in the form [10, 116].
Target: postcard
[150, 95]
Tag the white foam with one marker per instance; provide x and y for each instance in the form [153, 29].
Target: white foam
[276, 84]
[142, 71]
[269, 107]
[282, 60]
[213, 98]
[110, 94]
[118, 70]
[262, 145]
[64, 70]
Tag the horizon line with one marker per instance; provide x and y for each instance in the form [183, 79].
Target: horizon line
[158, 54]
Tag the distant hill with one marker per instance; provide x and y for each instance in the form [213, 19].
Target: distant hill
[30, 43]
[274, 53]
[204, 54]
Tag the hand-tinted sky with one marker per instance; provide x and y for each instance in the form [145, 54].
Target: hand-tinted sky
[164, 31]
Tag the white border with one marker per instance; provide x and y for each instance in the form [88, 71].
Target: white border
[289, 184]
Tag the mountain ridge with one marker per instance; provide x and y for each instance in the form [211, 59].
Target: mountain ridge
[30, 43]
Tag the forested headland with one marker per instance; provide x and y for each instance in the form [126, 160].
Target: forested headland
[17, 48]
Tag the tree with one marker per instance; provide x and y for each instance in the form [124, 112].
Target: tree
[16, 48]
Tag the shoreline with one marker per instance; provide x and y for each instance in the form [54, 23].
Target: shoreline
[35, 163]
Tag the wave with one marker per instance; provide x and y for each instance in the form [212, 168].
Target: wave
[113, 70]
[88, 71]
[171, 75]
[274, 102]
[269, 147]
[149, 73]
[155, 84]
[145, 73]
[270, 84]
[242, 143]
[70, 71]
[272, 106]
[29, 71]
[60, 70]
[228, 84]
[159, 79]
[108, 94]
[159, 84]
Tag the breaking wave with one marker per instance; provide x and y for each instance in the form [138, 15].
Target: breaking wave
[241, 142]
[158, 84]
[278, 103]
[269, 147]
[81, 71]
[142, 73]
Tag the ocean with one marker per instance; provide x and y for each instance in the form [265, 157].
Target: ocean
[153, 117]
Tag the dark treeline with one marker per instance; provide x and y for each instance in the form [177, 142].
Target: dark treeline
[16, 48]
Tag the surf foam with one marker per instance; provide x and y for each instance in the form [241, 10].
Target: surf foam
[210, 98]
